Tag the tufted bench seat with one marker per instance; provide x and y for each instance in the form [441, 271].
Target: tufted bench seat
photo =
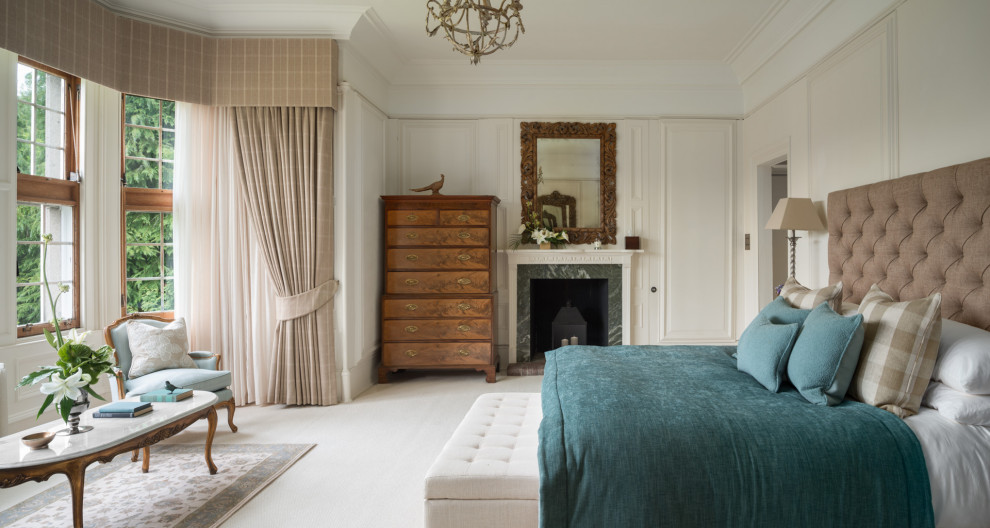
[487, 475]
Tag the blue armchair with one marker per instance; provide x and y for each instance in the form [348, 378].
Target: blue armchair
[207, 377]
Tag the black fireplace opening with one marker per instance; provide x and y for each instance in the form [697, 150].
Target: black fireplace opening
[548, 296]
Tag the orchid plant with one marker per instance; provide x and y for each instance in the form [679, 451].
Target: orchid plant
[536, 230]
[78, 366]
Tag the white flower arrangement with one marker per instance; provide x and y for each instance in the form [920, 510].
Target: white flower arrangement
[78, 366]
[535, 230]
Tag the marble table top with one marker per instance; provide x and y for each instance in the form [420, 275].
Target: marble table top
[106, 432]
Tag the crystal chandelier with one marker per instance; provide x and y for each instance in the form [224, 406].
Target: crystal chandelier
[474, 27]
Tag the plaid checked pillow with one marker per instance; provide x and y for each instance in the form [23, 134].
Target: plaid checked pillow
[899, 351]
[804, 298]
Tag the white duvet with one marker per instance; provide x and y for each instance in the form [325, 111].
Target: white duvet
[958, 460]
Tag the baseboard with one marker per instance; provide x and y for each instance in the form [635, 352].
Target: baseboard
[360, 377]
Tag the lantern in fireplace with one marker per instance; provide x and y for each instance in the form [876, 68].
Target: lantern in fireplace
[567, 325]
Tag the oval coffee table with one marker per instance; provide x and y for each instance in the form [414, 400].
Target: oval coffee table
[110, 437]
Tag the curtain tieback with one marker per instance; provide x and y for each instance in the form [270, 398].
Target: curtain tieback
[293, 306]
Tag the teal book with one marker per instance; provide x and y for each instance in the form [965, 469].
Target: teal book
[100, 414]
[123, 407]
[164, 395]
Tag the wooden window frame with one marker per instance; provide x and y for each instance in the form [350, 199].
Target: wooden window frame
[58, 191]
[139, 200]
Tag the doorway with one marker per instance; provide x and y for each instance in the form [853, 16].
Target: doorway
[772, 185]
[778, 190]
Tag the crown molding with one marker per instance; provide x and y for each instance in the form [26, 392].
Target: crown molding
[667, 74]
[754, 31]
[295, 20]
[784, 21]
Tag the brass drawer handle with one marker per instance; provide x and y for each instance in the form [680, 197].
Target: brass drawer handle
[464, 328]
[464, 235]
[412, 329]
[464, 307]
[411, 353]
[412, 235]
[412, 218]
[463, 281]
[464, 218]
[463, 352]
[411, 307]
[463, 258]
[412, 258]
[412, 282]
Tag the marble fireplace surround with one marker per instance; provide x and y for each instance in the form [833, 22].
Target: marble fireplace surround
[614, 265]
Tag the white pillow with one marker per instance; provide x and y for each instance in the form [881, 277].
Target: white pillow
[963, 358]
[964, 408]
[154, 349]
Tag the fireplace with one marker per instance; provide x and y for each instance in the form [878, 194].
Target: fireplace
[547, 299]
[612, 266]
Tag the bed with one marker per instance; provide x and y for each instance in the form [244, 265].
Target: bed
[678, 436]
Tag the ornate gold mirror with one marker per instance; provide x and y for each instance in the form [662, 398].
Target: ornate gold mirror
[568, 175]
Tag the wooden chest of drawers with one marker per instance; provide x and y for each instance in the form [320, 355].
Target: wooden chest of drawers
[438, 311]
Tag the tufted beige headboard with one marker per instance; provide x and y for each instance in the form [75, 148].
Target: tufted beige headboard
[917, 235]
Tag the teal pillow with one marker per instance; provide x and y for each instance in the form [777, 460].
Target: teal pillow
[763, 350]
[825, 355]
[780, 312]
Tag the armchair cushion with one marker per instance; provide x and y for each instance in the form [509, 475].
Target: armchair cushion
[153, 348]
[187, 378]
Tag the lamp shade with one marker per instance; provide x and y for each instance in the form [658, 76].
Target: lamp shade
[795, 213]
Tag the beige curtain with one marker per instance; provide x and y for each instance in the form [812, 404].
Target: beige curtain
[222, 284]
[285, 157]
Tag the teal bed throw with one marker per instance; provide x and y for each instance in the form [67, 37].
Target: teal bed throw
[650, 436]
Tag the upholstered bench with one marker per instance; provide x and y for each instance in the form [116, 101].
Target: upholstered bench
[487, 474]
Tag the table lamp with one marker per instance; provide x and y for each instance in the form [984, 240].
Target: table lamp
[795, 214]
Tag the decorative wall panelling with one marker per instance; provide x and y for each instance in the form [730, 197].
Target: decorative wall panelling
[359, 178]
[852, 123]
[943, 80]
[906, 95]
[697, 163]
[420, 149]
[637, 167]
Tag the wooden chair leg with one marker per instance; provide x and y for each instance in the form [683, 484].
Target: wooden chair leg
[229, 404]
[134, 455]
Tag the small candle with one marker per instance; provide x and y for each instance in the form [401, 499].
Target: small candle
[563, 342]
[574, 340]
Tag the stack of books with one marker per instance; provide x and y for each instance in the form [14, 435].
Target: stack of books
[165, 395]
[123, 409]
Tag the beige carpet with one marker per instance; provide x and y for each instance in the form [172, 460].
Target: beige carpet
[367, 467]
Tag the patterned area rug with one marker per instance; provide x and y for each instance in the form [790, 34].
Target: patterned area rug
[178, 491]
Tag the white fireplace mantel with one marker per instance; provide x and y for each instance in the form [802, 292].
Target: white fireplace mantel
[622, 257]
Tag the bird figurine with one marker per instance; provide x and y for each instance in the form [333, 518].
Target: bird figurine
[169, 387]
[435, 186]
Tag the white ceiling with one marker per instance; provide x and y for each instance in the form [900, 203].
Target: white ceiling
[556, 30]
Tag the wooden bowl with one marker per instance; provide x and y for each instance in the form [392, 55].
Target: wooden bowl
[38, 440]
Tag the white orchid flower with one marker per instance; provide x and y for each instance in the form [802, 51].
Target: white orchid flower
[540, 236]
[66, 388]
[522, 228]
[77, 338]
[563, 235]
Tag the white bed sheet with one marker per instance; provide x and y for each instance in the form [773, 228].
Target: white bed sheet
[958, 461]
